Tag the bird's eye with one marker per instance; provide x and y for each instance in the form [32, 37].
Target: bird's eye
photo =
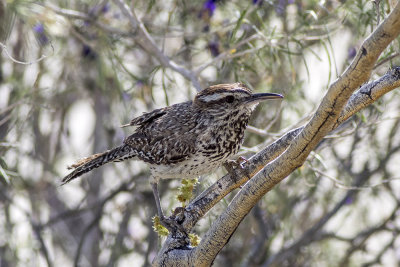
[229, 99]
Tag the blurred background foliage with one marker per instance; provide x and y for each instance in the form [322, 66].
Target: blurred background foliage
[72, 72]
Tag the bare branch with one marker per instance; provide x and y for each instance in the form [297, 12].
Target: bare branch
[74, 14]
[4, 48]
[228, 53]
[148, 44]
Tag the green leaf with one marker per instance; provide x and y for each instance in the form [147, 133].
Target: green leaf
[194, 240]
[238, 23]
[3, 173]
[186, 190]
[158, 228]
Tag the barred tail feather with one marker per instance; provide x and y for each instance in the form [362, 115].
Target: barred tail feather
[87, 164]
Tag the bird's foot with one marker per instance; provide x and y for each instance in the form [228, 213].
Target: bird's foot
[174, 224]
[242, 160]
[231, 165]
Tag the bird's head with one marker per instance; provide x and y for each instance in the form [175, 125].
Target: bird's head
[235, 96]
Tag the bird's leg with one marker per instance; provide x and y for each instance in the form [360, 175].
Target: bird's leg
[157, 199]
[168, 223]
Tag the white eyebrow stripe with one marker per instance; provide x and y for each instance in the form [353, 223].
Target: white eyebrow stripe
[218, 96]
[214, 97]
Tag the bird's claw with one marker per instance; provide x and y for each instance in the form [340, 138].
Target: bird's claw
[172, 223]
[231, 165]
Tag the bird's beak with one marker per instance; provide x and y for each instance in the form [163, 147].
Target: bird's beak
[255, 98]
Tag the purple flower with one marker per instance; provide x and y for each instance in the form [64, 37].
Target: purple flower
[40, 34]
[281, 7]
[38, 28]
[349, 200]
[209, 6]
[214, 48]
[88, 52]
[351, 53]
[106, 8]
[93, 11]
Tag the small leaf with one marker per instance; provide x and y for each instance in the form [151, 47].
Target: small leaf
[186, 190]
[158, 227]
[3, 173]
[363, 118]
[194, 240]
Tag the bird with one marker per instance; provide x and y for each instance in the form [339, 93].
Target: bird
[184, 140]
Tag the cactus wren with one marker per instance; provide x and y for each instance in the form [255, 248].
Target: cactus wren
[185, 140]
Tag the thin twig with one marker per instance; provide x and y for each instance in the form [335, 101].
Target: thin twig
[83, 16]
[4, 47]
[148, 44]
[386, 60]
[228, 53]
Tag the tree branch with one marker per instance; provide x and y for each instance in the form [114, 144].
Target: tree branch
[331, 112]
